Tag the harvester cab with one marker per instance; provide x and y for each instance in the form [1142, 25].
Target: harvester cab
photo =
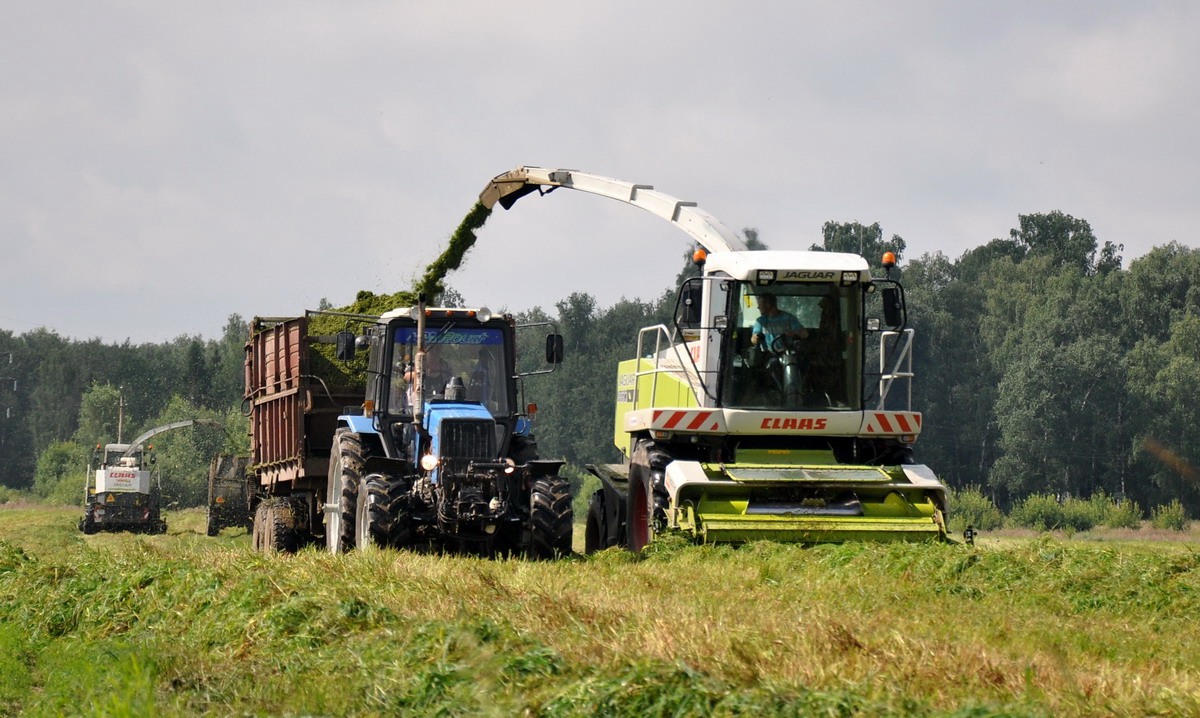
[442, 450]
[776, 405]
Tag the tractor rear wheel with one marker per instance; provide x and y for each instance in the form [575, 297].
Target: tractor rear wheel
[551, 518]
[341, 490]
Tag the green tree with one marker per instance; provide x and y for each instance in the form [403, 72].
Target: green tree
[61, 473]
[99, 412]
[864, 240]
[1066, 240]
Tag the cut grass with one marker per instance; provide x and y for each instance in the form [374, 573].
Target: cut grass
[182, 624]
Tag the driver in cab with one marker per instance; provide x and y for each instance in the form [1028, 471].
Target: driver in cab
[773, 323]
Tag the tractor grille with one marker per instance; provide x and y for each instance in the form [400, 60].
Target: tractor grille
[469, 439]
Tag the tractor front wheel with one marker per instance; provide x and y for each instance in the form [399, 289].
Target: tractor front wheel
[381, 516]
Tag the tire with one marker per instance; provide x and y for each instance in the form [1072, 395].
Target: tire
[647, 500]
[381, 515]
[282, 537]
[341, 491]
[595, 535]
[637, 514]
[213, 525]
[87, 525]
[258, 536]
[274, 527]
[551, 518]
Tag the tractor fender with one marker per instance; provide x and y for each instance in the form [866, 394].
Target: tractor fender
[544, 467]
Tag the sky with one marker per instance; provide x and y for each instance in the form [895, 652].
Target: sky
[165, 165]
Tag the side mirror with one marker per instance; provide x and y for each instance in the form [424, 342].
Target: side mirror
[893, 307]
[554, 349]
[345, 345]
[688, 313]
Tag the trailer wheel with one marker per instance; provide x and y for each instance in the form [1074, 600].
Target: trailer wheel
[341, 495]
[259, 531]
[381, 519]
[551, 518]
[594, 534]
[274, 527]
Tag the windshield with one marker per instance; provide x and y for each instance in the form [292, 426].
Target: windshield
[475, 356]
[113, 458]
[793, 346]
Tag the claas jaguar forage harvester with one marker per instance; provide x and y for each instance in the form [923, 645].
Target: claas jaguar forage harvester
[776, 405]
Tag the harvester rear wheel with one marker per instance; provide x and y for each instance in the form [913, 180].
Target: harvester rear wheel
[551, 518]
[594, 533]
[213, 524]
[341, 491]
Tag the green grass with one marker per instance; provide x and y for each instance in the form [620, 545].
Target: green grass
[117, 624]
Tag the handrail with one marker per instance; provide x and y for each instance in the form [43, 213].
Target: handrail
[661, 332]
[901, 368]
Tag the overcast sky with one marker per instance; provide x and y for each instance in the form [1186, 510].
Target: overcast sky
[164, 165]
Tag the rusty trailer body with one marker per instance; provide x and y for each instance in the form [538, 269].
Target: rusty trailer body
[293, 414]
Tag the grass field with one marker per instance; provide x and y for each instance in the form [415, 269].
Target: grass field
[182, 624]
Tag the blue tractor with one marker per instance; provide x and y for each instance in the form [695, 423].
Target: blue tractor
[439, 454]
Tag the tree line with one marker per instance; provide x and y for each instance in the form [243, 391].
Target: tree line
[1044, 366]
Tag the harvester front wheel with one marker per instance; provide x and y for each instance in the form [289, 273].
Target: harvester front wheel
[646, 502]
[341, 491]
[550, 517]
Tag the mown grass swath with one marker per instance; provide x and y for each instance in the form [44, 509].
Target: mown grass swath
[177, 625]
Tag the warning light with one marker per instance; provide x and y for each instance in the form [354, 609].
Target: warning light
[699, 256]
[531, 409]
[889, 260]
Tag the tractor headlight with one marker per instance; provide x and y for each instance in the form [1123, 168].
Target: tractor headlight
[429, 462]
[483, 314]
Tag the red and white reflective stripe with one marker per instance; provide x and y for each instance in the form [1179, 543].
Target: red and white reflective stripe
[684, 420]
[893, 423]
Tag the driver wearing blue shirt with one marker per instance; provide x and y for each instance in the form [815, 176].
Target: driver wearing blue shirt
[773, 322]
